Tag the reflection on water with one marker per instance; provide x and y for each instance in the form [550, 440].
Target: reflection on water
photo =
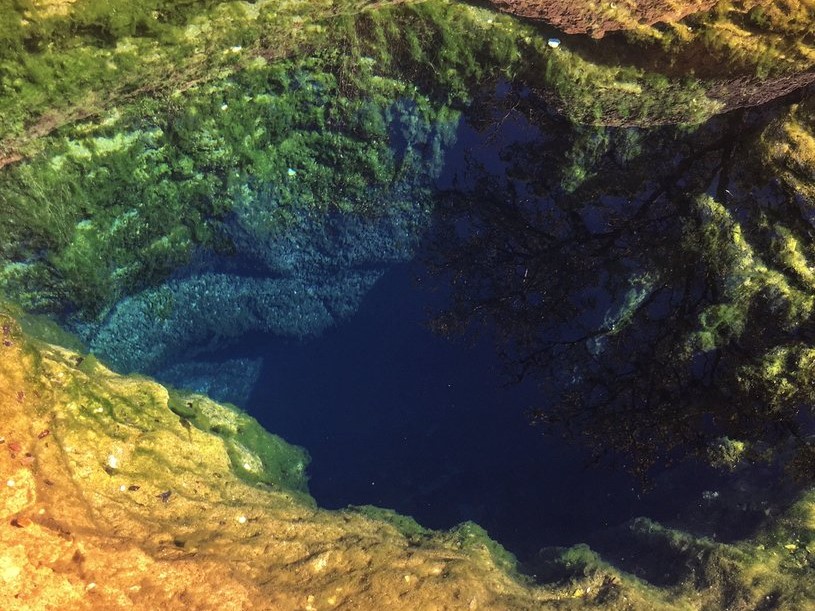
[404, 419]
[660, 296]
[636, 289]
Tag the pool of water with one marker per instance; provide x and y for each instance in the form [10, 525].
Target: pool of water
[438, 425]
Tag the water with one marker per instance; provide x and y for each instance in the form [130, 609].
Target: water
[545, 258]
[397, 417]
[438, 428]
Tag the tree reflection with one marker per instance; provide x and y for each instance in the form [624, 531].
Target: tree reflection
[655, 284]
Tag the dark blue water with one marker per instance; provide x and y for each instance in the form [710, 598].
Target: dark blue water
[398, 417]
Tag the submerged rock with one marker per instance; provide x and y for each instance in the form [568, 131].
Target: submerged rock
[229, 381]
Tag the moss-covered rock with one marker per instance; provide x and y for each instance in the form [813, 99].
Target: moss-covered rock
[93, 55]
[348, 114]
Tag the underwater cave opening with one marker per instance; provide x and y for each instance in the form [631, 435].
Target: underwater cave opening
[395, 416]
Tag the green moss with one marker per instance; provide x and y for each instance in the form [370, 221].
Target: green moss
[593, 93]
[116, 205]
[783, 376]
[89, 364]
[406, 525]
[735, 39]
[793, 255]
[120, 205]
[257, 457]
[471, 536]
[566, 565]
[749, 280]
[39, 327]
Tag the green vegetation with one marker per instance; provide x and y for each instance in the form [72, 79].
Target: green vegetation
[472, 537]
[745, 278]
[109, 212]
[407, 526]
[65, 60]
[115, 205]
[257, 456]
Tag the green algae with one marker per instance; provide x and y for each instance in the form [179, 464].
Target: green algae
[140, 48]
[120, 206]
[40, 327]
[405, 525]
[470, 536]
[115, 206]
[257, 457]
[726, 453]
[747, 278]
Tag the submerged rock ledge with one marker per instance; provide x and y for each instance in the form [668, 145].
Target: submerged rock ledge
[120, 493]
